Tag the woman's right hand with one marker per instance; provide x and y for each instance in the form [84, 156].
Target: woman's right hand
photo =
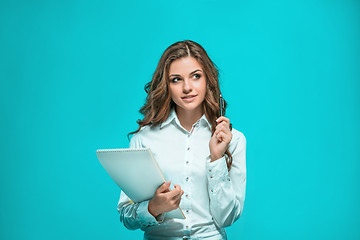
[165, 200]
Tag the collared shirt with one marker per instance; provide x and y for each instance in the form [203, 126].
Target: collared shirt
[213, 196]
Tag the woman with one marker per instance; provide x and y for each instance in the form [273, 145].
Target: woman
[195, 148]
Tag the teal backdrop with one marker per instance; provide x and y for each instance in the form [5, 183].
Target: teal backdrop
[72, 76]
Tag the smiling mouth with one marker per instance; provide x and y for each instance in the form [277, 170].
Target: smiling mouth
[188, 97]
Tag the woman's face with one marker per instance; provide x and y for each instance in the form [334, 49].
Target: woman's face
[187, 84]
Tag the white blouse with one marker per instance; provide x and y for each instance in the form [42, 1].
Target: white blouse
[213, 196]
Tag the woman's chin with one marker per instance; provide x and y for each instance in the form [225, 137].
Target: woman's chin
[190, 108]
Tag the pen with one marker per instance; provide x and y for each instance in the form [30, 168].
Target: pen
[221, 106]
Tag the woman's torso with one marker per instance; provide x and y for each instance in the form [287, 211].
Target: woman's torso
[181, 155]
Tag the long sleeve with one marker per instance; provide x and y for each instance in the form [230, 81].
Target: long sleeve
[136, 215]
[227, 189]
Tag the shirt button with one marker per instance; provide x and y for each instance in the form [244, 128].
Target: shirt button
[187, 179]
[188, 148]
[187, 162]
[187, 195]
[210, 176]
[187, 211]
[209, 170]
[212, 190]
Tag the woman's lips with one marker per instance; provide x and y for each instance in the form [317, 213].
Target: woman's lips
[189, 98]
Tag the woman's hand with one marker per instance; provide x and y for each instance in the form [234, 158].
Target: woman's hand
[221, 138]
[165, 200]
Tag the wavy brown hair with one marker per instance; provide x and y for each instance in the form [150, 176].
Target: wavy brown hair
[158, 101]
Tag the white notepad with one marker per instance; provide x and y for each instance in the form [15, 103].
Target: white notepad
[136, 172]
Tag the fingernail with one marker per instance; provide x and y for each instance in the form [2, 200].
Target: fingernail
[217, 119]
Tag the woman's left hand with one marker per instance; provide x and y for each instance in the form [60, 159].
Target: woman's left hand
[221, 138]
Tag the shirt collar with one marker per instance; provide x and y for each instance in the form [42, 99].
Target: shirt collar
[173, 116]
[205, 120]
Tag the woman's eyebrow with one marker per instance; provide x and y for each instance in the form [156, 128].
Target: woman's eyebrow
[176, 75]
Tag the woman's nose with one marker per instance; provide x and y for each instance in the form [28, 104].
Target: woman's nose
[187, 86]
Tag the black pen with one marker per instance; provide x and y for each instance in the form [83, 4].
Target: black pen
[221, 106]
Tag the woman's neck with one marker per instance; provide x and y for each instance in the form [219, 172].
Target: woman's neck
[188, 118]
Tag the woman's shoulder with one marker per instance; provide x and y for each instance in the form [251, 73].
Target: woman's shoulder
[144, 131]
[237, 133]
[238, 136]
[238, 141]
[136, 138]
[143, 136]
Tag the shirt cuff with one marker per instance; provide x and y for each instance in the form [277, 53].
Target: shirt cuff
[145, 218]
[217, 173]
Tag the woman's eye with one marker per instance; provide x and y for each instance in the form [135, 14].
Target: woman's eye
[197, 76]
[175, 79]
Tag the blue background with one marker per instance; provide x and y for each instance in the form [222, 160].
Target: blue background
[72, 76]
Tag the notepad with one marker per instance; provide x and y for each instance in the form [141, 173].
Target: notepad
[136, 172]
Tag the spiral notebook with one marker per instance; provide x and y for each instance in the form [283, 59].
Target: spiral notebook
[136, 172]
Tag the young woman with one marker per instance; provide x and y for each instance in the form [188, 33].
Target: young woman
[196, 148]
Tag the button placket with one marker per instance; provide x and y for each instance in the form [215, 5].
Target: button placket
[187, 183]
[187, 229]
[187, 156]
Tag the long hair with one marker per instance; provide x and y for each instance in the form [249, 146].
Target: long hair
[158, 102]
